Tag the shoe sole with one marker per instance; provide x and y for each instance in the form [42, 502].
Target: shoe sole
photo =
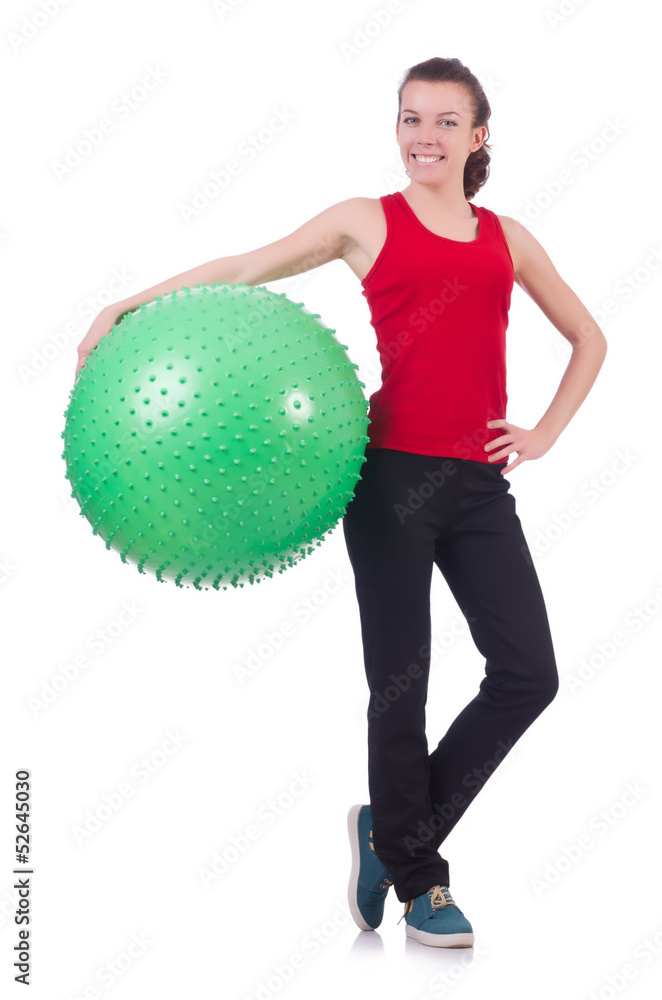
[464, 940]
[352, 889]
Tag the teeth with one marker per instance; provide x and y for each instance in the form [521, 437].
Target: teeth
[426, 159]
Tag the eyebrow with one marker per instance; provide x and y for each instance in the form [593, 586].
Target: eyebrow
[440, 113]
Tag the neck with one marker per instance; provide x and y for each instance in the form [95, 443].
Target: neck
[438, 200]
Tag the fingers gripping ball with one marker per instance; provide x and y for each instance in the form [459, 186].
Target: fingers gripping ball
[215, 434]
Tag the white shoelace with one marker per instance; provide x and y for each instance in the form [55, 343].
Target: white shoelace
[440, 896]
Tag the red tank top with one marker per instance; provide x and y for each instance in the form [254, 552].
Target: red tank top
[439, 308]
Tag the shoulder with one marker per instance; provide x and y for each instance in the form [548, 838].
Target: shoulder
[511, 227]
[359, 220]
[357, 205]
[364, 207]
[522, 244]
[535, 271]
[342, 212]
[346, 213]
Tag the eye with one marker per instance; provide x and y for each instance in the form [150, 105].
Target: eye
[411, 118]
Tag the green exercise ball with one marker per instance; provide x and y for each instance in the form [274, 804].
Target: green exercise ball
[214, 434]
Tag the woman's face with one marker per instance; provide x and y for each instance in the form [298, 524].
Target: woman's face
[435, 122]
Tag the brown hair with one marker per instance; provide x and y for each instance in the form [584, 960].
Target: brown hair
[437, 70]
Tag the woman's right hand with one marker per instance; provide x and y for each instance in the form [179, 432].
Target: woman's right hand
[101, 326]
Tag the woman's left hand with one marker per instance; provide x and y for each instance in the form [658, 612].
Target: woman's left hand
[527, 443]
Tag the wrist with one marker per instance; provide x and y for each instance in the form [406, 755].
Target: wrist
[545, 434]
[114, 312]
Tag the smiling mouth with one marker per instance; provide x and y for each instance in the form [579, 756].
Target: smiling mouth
[426, 158]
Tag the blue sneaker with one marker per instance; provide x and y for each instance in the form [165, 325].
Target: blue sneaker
[369, 881]
[434, 918]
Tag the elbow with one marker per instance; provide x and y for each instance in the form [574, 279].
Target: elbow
[601, 344]
[592, 348]
[590, 334]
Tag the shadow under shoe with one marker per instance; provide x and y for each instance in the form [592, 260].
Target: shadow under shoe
[369, 881]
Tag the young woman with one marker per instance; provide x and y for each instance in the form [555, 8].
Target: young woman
[437, 273]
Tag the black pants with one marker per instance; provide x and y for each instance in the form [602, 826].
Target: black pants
[408, 512]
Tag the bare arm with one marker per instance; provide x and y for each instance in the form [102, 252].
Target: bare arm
[323, 238]
[536, 275]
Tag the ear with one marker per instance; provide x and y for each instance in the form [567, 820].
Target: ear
[481, 138]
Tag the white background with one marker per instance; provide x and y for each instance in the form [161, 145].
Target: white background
[546, 925]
